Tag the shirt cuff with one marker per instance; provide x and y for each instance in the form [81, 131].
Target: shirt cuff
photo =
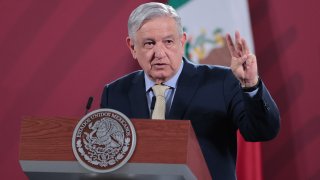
[252, 93]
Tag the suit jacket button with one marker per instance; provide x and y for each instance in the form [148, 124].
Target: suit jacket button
[266, 106]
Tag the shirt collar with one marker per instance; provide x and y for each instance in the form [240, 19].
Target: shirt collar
[172, 82]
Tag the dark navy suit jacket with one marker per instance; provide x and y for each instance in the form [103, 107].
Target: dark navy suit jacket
[211, 97]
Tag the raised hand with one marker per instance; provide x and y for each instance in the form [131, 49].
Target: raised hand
[243, 63]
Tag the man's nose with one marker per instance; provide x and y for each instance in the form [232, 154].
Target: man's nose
[159, 51]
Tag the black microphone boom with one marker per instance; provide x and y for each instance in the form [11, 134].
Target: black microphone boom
[89, 103]
[153, 102]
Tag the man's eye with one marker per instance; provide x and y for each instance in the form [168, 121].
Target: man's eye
[148, 44]
[169, 42]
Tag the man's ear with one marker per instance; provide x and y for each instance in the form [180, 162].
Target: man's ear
[183, 41]
[130, 45]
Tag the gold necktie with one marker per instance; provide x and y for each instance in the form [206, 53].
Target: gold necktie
[160, 105]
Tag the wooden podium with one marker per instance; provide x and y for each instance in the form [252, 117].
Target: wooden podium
[165, 149]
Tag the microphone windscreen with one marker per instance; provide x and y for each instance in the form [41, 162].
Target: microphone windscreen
[90, 100]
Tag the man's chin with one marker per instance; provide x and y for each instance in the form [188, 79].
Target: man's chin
[160, 77]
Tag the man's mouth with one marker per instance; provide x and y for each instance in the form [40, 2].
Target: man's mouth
[159, 65]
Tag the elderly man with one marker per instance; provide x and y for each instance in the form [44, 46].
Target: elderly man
[218, 100]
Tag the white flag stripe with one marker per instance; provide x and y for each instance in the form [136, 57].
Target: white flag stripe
[208, 15]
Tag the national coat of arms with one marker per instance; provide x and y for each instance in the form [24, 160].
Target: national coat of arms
[103, 140]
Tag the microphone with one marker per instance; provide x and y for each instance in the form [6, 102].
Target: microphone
[89, 103]
[153, 102]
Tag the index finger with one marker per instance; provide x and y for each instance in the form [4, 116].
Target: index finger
[238, 41]
[230, 44]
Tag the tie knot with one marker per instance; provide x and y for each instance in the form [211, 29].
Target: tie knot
[159, 89]
[160, 104]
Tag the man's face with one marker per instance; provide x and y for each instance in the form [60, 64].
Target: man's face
[158, 47]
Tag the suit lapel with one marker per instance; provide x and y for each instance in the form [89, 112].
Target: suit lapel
[188, 83]
[137, 97]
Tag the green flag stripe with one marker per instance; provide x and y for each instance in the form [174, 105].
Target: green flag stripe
[177, 3]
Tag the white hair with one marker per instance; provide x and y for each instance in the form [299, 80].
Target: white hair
[149, 11]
